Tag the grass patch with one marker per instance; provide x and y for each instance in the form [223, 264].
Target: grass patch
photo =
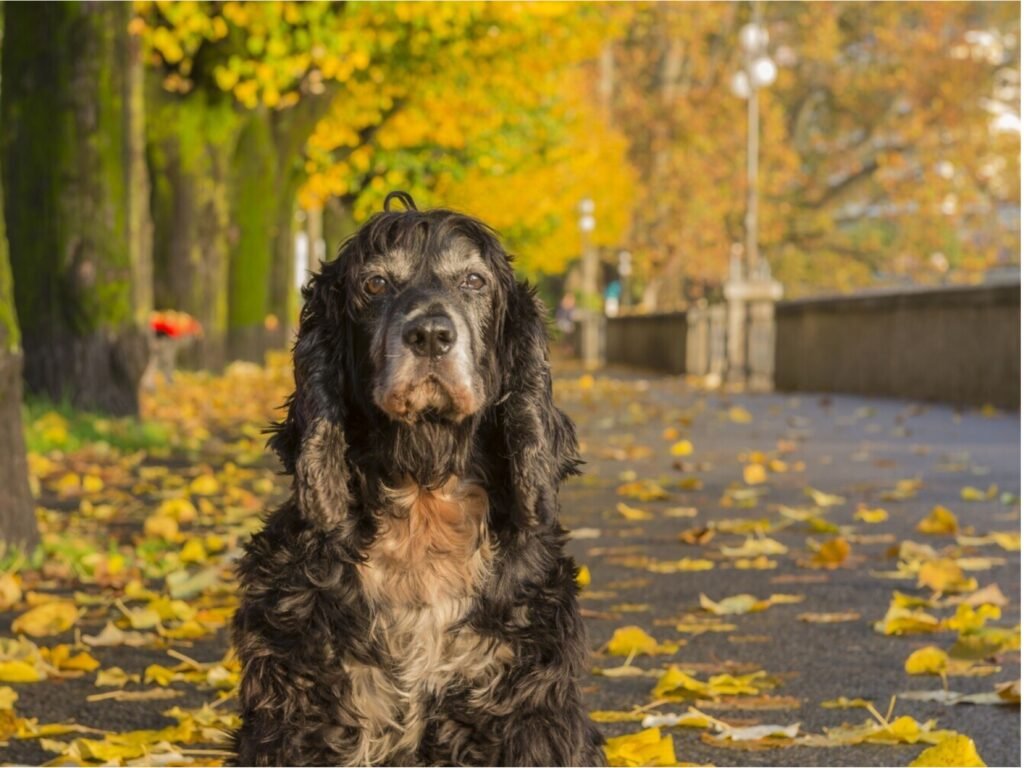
[57, 426]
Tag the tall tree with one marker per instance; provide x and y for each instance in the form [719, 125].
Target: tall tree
[76, 193]
[879, 153]
[341, 100]
[253, 79]
[17, 516]
[190, 143]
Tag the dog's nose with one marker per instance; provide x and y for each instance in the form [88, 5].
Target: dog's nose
[430, 336]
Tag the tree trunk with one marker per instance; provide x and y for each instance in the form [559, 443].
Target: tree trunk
[284, 296]
[338, 225]
[76, 200]
[291, 130]
[17, 515]
[254, 198]
[267, 174]
[190, 142]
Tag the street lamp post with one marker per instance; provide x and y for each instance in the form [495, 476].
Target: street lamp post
[750, 291]
[590, 340]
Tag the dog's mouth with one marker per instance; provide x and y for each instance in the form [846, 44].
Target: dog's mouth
[429, 398]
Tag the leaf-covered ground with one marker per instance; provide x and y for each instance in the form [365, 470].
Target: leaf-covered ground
[768, 579]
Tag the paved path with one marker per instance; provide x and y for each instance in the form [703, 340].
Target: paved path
[847, 446]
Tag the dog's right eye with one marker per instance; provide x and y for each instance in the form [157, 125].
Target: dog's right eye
[376, 285]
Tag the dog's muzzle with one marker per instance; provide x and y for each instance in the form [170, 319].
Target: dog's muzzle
[427, 368]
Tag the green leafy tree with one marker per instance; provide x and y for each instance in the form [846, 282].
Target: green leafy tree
[76, 193]
[338, 103]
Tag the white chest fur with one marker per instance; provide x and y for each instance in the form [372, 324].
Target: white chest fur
[422, 572]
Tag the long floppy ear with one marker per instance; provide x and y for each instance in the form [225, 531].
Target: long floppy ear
[310, 441]
[540, 440]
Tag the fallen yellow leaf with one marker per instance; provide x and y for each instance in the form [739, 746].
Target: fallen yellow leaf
[680, 565]
[92, 483]
[7, 697]
[822, 499]
[739, 415]
[752, 547]
[955, 751]
[115, 677]
[162, 527]
[204, 485]
[829, 618]
[929, 660]
[945, 576]
[193, 552]
[17, 671]
[647, 747]
[632, 640]
[735, 605]
[159, 674]
[60, 657]
[970, 493]
[754, 474]
[583, 576]
[681, 448]
[968, 619]
[844, 703]
[141, 618]
[905, 489]
[939, 522]
[181, 510]
[642, 490]
[10, 590]
[903, 621]
[831, 554]
[614, 716]
[632, 513]
[677, 685]
[871, 516]
[48, 619]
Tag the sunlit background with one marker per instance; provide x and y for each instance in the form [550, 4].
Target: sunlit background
[714, 200]
[889, 138]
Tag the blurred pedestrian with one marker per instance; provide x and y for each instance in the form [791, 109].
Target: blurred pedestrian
[565, 323]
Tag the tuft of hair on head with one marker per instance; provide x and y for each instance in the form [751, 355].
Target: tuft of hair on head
[403, 197]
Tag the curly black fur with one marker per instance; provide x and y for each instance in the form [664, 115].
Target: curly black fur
[305, 619]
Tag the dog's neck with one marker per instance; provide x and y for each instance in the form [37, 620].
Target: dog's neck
[428, 453]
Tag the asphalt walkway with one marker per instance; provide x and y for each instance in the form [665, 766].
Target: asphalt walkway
[736, 472]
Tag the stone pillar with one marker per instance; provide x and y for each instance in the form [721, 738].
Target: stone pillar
[750, 333]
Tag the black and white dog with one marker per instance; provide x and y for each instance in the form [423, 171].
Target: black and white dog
[412, 602]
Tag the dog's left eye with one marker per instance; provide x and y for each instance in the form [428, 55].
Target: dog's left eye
[473, 282]
[376, 285]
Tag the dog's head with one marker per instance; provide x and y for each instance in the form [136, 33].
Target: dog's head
[415, 336]
[428, 292]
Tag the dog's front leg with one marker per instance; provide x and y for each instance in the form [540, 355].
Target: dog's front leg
[551, 735]
[290, 718]
[299, 614]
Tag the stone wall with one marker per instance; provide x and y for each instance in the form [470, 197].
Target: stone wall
[655, 342]
[958, 345]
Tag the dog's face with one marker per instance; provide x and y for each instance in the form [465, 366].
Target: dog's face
[424, 295]
[427, 316]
